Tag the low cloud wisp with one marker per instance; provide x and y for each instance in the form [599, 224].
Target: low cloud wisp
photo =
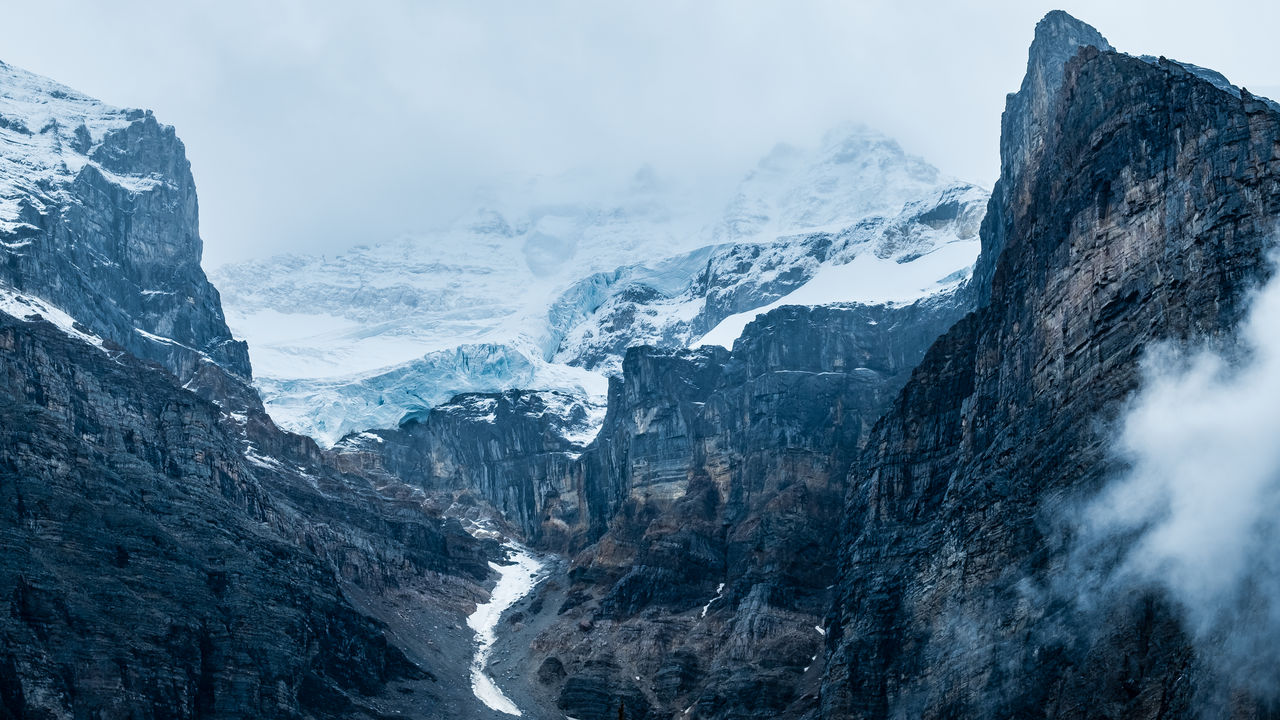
[1201, 495]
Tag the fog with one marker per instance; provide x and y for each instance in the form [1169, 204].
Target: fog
[315, 126]
[1201, 497]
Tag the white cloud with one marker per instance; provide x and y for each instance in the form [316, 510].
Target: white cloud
[1201, 497]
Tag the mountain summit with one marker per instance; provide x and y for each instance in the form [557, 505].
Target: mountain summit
[98, 217]
[548, 286]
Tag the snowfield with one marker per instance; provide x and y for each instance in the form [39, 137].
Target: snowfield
[866, 279]
[546, 285]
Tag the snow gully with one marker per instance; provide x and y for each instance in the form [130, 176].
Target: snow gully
[515, 581]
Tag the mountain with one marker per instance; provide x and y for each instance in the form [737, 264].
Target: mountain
[1137, 207]
[98, 218]
[551, 290]
[875, 509]
[168, 551]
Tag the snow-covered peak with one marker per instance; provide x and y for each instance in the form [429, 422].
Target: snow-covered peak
[98, 217]
[487, 277]
[48, 133]
[544, 282]
[855, 172]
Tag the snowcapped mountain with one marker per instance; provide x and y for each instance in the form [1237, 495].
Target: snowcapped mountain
[926, 248]
[357, 340]
[539, 288]
[99, 219]
[487, 278]
[855, 172]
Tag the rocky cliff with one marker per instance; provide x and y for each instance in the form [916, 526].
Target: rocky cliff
[1024, 124]
[516, 452]
[1137, 204]
[168, 551]
[167, 559]
[710, 499]
[99, 218]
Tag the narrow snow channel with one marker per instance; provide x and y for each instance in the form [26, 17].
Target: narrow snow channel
[514, 582]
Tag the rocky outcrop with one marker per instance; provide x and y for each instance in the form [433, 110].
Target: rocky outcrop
[100, 219]
[1138, 202]
[646, 444]
[714, 490]
[516, 451]
[1023, 128]
[167, 559]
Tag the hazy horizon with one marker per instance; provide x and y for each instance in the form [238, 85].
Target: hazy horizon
[315, 128]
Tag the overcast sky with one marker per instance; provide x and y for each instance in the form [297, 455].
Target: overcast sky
[315, 126]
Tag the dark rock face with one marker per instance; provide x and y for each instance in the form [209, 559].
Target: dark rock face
[714, 490]
[1023, 128]
[518, 451]
[1143, 212]
[117, 244]
[646, 443]
[154, 567]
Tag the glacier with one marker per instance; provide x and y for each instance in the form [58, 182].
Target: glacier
[544, 284]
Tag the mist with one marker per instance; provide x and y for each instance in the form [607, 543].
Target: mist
[1200, 499]
[315, 126]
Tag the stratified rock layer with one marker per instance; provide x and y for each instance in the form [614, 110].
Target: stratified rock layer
[1144, 211]
[713, 494]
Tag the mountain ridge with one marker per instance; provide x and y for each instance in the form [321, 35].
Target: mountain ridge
[482, 286]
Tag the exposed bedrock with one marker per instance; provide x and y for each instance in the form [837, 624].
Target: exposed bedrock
[1143, 211]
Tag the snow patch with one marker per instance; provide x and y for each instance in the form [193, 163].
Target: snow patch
[719, 594]
[515, 580]
[866, 279]
[24, 307]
